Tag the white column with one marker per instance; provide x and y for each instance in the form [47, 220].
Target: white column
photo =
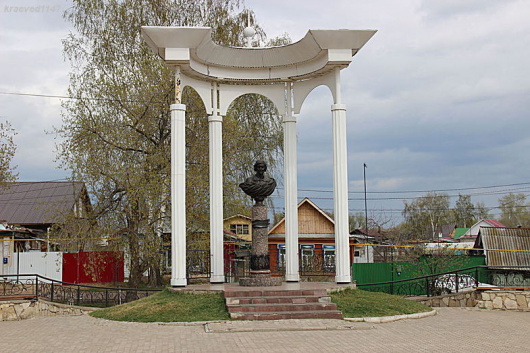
[216, 199]
[291, 198]
[340, 187]
[178, 195]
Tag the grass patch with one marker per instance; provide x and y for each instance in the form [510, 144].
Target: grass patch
[359, 303]
[167, 306]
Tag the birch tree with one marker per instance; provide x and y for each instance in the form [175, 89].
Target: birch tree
[7, 152]
[116, 129]
[427, 214]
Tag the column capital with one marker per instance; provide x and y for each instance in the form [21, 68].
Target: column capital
[338, 107]
[178, 107]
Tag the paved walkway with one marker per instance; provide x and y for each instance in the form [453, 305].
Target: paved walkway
[452, 330]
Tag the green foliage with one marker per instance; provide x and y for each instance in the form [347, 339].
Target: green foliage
[7, 152]
[515, 210]
[358, 303]
[357, 220]
[481, 211]
[425, 215]
[463, 213]
[169, 306]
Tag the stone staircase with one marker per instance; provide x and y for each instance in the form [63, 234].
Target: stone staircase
[275, 304]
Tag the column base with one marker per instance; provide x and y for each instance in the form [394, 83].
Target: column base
[179, 282]
[342, 279]
[292, 278]
[217, 279]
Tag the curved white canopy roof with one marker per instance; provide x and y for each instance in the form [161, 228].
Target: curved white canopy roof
[193, 49]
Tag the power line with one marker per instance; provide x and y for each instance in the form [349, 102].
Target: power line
[418, 191]
[498, 192]
[69, 97]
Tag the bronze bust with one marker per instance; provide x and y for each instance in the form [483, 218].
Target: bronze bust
[259, 186]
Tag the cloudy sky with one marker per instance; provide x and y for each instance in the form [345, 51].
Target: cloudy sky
[438, 99]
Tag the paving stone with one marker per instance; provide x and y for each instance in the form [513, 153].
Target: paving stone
[493, 331]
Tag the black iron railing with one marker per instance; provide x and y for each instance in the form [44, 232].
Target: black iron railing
[35, 286]
[516, 277]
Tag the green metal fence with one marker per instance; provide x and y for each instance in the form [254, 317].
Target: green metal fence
[364, 273]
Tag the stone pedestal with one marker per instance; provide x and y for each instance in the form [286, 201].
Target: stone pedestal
[260, 274]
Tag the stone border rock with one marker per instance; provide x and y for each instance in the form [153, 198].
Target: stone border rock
[504, 300]
[385, 319]
[15, 310]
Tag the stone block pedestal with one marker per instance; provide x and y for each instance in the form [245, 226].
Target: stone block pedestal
[260, 274]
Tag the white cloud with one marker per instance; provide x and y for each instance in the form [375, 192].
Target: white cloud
[438, 98]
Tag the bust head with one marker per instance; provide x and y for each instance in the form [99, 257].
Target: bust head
[260, 166]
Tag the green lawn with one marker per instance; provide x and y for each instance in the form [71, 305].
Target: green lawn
[359, 303]
[167, 306]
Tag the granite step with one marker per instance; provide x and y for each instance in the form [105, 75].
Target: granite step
[274, 293]
[278, 300]
[277, 308]
[276, 304]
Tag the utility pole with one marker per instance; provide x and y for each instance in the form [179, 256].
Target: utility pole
[365, 207]
[366, 214]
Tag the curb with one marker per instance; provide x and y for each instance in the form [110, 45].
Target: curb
[384, 319]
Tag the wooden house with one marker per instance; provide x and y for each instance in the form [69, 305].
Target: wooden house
[471, 234]
[34, 207]
[316, 239]
[240, 226]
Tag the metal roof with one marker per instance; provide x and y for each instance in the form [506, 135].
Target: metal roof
[459, 232]
[494, 223]
[509, 240]
[38, 203]
[304, 201]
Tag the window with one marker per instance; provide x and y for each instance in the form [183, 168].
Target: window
[167, 258]
[307, 255]
[281, 256]
[239, 229]
[329, 257]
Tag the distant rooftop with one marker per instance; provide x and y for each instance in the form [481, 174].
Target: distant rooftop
[38, 203]
[459, 232]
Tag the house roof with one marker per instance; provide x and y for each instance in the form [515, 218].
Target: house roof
[507, 239]
[38, 203]
[475, 228]
[370, 233]
[495, 223]
[237, 216]
[459, 232]
[310, 203]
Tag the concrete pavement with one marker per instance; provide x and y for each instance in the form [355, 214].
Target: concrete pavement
[452, 330]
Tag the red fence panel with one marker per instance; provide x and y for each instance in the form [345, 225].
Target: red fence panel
[93, 267]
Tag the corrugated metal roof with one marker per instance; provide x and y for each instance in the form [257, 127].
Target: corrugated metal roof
[32, 203]
[508, 239]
